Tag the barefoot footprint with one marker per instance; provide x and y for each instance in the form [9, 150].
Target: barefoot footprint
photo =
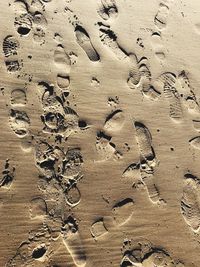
[109, 39]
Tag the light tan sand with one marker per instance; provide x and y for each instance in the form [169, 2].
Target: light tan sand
[100, 133]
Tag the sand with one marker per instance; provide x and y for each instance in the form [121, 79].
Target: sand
[100, 133]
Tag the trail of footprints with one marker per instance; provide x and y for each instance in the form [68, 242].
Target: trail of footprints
[43, 241]
[60, 169]
[160, 22]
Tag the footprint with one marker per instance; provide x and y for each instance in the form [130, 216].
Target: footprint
[7, 176]
[160, 19]
[157, 45]
[57, 118]
[133, 254]
[72, 164]
[63, 81]
[98, 229]
[190, 100]
[48, 159]
[48, 95]
[65, 167]
[53, 121]
[73, 242]
[147, 89]
[142, 174]
[120, 214]
[44, 159]
[37, 208]
[167, 82]
[19, 122]
[143, 254]
[61, 58]
[140, 78]
[115, 121]
[10, 50]
[144, 141]
[107, 9]
[190, 202]
[109, 39]
[40, 244]
[71, 121]
[32, 20]
[147, 177]
[148, 161]
[73, 195]
[175, 108]
[18, 98]
[35, 249]
[122, 211]
[134, 73]
[10, 46]
[105, 148]
[83, 39]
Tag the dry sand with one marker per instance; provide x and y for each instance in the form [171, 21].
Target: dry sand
[100, 133]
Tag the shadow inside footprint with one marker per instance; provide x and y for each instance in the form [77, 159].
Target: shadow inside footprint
[83, 39]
